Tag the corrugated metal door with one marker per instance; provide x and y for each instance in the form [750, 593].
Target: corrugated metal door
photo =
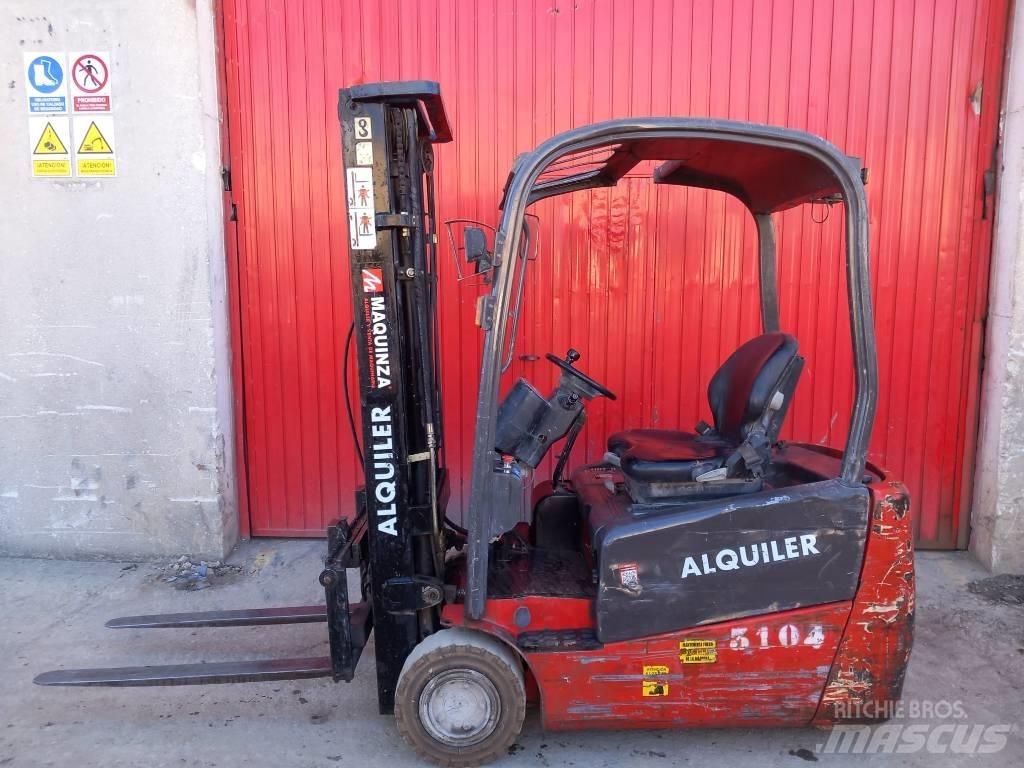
[655, 286]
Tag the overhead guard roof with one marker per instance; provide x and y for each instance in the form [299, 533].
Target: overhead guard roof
[765, 178]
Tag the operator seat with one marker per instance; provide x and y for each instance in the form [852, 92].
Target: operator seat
[749, 396]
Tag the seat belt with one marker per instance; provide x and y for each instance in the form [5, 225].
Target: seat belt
[753, 453]
[704, 429]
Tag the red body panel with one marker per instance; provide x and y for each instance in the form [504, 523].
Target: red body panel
[820, 663]
[763, 682]
[868, 671]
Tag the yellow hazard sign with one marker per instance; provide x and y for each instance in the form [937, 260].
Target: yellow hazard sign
[94, 137]
[49, 139]
[94, 142]
[655, 687]
[698, 651]
[49, 142]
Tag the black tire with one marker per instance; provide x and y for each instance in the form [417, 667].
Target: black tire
[477, 674]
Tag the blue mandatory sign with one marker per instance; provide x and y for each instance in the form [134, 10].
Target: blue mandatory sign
[47, 89]
[45, 74]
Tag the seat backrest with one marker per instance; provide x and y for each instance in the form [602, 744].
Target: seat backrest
[745, 387]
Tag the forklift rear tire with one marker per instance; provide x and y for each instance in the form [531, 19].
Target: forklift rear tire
[461, 698]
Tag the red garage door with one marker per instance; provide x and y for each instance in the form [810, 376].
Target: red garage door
[655, 286]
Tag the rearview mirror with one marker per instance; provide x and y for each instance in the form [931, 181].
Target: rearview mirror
[469, 246]
[474, 242]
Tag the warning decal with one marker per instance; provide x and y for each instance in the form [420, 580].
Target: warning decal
[698, 651]
[94, 137]
[363, 128]
[50, 138]
[94, 142]
[655, 687]
[364, 153]
[362, 226]
[49, 142]
[629, 576]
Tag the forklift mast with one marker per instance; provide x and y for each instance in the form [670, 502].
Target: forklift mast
[387, 133]
[395, 537]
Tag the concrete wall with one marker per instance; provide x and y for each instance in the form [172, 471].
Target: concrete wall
[115, 419]
[997, 516]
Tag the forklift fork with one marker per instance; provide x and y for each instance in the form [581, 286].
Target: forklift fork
[348, 626]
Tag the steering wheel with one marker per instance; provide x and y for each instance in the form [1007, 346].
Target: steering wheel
[566, 365]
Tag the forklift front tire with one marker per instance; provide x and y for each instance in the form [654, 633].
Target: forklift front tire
[461, 698]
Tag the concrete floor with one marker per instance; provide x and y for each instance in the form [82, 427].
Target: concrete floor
[967, 649]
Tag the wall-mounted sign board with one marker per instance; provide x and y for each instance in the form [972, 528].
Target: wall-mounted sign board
[71, 131]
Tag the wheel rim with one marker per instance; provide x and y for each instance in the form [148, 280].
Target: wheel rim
[460, 707]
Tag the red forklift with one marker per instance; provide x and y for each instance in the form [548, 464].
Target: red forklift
[707, 578]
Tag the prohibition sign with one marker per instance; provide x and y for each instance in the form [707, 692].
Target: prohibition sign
[89, 73]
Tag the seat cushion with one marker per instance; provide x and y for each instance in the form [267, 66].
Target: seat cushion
[664, 456]
[663, 445]
[671, 470]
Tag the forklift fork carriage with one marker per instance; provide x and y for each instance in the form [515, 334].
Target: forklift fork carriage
[719, 577]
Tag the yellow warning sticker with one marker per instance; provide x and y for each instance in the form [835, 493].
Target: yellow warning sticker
[94, 138]
[655, 687]
[58, 167]
[103, 166]
[49, 142]
[698, 651]
[94, 142]
[49, 139]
